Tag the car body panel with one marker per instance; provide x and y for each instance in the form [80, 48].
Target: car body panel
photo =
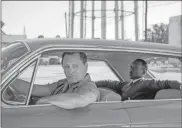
[102, 114]
[153, 112]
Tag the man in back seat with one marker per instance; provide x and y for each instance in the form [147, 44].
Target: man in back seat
[139, 87]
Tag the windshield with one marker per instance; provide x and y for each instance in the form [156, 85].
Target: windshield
[11, 54]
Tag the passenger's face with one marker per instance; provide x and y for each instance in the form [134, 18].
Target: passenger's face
[137, 70]
[74, 68]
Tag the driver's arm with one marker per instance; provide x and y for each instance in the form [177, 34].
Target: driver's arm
[85, 95]
[23, 87]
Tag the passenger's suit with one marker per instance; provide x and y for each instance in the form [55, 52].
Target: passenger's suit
[139, 89]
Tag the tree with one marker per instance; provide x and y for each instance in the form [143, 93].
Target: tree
[158, 33]
[58, 36]
[40, 36]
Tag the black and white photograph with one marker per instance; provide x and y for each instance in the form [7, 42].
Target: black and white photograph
[91, 64]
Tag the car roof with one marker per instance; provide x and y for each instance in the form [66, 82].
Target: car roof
[35, 44]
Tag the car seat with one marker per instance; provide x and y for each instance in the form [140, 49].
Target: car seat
[107, 94]
[168, 94]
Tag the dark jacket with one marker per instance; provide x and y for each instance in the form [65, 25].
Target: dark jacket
[141, 89]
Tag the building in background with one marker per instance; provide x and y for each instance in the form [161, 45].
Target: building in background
[6, 38]
[175, 28]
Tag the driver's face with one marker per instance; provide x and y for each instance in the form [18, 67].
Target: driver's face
[74, 68]
[137, 70]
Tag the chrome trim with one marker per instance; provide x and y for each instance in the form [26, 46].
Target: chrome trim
[128, 124]
[46, 105]
[32, 80]
[13, 103]
[14, 75]
[113, 69]
[3, 91]
[147, 123]
[102, 102]
[28, 51]
[109, 48]
[150, 74]
[19, 66]
[101, 125]
[26, 45]
[152, 100]
[146, 50]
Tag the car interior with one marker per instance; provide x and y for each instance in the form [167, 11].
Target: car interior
[105, 93]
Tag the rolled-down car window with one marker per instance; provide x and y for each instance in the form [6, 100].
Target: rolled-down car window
[165, 68]
[11, 54]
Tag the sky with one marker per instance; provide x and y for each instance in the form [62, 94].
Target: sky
[48, 17]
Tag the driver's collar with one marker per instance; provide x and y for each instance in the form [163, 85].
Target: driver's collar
[86, 79]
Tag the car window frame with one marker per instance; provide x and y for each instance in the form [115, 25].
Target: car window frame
[25, 54]
[139, 51]
[17, 74]
[34, 74]
[13, 77]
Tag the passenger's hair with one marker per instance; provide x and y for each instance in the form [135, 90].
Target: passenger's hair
[144, 63]
[83, 56]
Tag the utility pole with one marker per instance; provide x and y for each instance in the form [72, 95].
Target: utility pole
[93, 18]
[24, 30]
[81, 18]
[122, 20]
[103, 19]
[146, 12]
[69, 25]
[85, 19]
[136, 19]
[116, 19]
[66, 25]
[72, 18]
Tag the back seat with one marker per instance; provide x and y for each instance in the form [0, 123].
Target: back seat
[107, 94]
[169, 94]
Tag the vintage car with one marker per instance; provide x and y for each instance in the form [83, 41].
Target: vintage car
[38, 61]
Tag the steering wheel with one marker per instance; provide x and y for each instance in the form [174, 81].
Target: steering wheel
[12, 95]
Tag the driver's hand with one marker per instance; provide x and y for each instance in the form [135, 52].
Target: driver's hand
[20, 98]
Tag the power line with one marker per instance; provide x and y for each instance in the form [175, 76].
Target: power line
[146, 15]
[162, 4]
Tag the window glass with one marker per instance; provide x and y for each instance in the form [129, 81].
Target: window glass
[18, 89]
[50, 70]
[164, 68]
[11, 54]
[99, 70]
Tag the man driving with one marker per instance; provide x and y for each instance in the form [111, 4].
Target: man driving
[139, 87]
[76, 90]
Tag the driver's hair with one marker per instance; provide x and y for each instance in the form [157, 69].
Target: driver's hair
[144, 63]
[83, 56]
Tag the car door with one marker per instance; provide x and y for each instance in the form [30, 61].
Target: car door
[166, 108]
[154, 113]
[20, 114]
[94, 115]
